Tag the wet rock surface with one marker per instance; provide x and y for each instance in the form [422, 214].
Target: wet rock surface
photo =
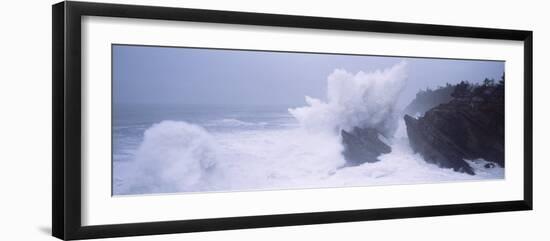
[470, 126]
[362, 145]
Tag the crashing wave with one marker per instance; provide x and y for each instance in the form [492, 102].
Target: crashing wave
[174, 156]
[356, 100]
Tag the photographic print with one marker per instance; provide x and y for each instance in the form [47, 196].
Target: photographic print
[188, 120]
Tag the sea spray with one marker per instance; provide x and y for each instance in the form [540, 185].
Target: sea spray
[173, 157]
[356, 100]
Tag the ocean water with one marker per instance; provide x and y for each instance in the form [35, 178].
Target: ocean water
[131, 120]
[169, 148]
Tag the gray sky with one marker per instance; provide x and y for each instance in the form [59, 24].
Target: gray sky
[215, 77]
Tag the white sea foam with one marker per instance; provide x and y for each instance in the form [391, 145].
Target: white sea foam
[179, 157]
[403, 166]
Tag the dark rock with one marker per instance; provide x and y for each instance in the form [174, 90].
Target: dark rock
[362, 145]
[434, 147]
[470, 126]
[489, 165]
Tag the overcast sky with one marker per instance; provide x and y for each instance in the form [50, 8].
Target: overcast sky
[215, 77]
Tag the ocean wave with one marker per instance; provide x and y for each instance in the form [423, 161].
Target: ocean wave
[180, 157]
[173, 157]
[356, 100]
[229, 122]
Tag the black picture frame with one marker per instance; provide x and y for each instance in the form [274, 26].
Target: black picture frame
[66, 128]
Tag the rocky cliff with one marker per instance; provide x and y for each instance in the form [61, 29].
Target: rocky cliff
[470, 126]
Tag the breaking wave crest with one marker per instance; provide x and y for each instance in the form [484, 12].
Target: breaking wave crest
[356, 100]
[229, 122]
[174, 156]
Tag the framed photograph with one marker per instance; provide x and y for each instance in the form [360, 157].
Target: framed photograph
[171, 120]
